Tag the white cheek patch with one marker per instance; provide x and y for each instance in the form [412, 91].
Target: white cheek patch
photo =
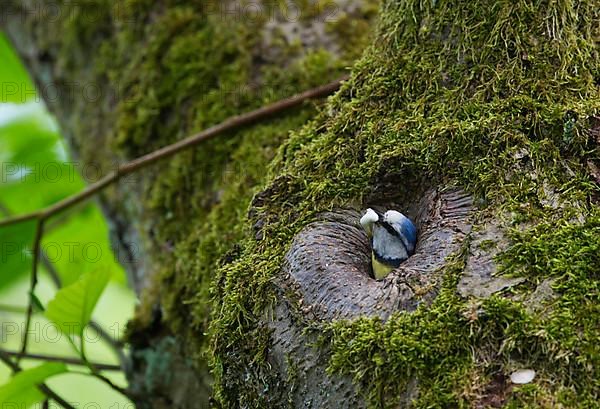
[404, 226]
[367, 221]
[369, 218]
[393, 216]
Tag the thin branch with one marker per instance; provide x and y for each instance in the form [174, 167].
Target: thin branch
[54, 276]
[116, 345]
[4, 357]
[95, 371]
[39, 231]
[232, 123]
[63, 359]
[51, 225]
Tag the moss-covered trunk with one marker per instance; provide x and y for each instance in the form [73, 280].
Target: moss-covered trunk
[479, 119]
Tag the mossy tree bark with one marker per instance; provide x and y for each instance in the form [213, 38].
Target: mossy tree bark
[478, 119]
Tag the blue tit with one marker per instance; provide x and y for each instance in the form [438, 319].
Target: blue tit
[393, 239]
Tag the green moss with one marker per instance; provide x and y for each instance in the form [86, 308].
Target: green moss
[482, 95]
[428, 345]
[492, 96]
[487, 244]
[194, 69]
[350, 27]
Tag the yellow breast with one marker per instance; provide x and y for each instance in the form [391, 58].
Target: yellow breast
[380, 270]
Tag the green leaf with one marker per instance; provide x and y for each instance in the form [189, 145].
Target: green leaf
[22, 391]
[80, 244]
[18, 86]
[44, 170]
[15, 251]
[36, 302]
[72, 307]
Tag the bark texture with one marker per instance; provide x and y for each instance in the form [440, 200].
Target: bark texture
[478, 119]
[329, 261]
[327, 273]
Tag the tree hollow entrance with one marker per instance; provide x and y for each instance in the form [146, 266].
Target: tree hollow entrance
[329, 262]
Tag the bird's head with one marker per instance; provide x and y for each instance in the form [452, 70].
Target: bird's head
[369, 218]
[393, 238]
[394, 223]
[404, 228]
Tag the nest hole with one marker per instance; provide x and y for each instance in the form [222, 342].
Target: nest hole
[329, 262]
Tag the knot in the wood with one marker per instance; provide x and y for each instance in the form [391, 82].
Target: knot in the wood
[329, 261]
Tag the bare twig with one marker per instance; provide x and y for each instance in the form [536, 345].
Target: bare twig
[43, 214]
[63, 359]
[116, 345]
[54, 276]
[108, 382]
[42, 387]
[170, 150]
[96, 372]
[39, 231]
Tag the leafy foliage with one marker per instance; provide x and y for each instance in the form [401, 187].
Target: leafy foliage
[35, 172]
[72, 307]
[13, 75]
[15, 251]
[47, 171]
[21, 391]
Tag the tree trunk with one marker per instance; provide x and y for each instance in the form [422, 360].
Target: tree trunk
[479, 120]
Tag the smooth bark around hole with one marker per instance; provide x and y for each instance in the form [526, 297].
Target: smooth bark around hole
[326, 277]
[329, 261]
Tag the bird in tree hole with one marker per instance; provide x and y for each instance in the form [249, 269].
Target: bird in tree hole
[393, 238]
